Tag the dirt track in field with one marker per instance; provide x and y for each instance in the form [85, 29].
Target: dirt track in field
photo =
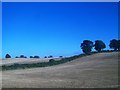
[98, 70]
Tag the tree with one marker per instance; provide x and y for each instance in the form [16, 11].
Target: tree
[22, 56]
[50, 56]
[99, 45]
[36, 57]
[31, 56]
[45, 57]
[51, 60]
[25, 56]
[16, 57]
[114, 44]
[61, 56]
[87, 46]
[7, 56]
[118, 44]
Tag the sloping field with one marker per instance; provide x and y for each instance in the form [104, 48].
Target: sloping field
[98, 70]
[11, 61]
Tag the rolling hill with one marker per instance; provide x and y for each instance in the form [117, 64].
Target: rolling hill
[95, 71]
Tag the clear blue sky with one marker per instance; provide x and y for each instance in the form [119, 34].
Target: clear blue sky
[56, 28]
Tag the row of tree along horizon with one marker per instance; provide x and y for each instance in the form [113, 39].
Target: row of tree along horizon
[86, 47]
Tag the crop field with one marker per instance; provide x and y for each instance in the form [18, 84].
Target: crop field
[94, 71]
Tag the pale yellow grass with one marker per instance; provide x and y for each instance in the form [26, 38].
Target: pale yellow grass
[98, 70]
[10, 61]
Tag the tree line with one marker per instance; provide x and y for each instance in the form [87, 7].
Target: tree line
[86, 46]
[22, 56]
[99, 45]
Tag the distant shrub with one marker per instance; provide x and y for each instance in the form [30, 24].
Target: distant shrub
[7, 56]
[81, 55]
[16, 57]
[25, 57]
[16, 64]
[50, 56]
[31, 57]
[51, 60]
[36, 57]
[45, 57]
[22, 56]
[60, 56]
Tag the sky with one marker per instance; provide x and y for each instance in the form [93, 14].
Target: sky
[56, 28]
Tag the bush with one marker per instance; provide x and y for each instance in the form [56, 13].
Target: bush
[31, 56]
[36, 57]
[61, 56]
[22, 56]
[16, 57]
[51, 60]
[50, 56]
[25, 57]
[16, 64]
[45, 57]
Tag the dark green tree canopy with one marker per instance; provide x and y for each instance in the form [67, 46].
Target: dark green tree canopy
[87, 46]
[45, 57]
[60, 56]
[50, 56]
[16, 57]
[31, 56]
[51, 60]
[118, 44]
[114, 44]
[99, 45]
[36, 57]
[7, 56]
[22, 56]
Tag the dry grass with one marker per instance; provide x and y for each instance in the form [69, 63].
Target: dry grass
[11, 61]
[98, 70]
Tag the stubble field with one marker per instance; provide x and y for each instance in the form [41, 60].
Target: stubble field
[94, 71]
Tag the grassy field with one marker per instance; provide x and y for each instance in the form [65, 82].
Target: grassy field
[97, 70]
[11, 61]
